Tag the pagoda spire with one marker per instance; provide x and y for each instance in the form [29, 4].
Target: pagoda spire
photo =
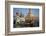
[30, 12]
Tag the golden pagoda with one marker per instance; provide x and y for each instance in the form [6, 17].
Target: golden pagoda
[30, 17]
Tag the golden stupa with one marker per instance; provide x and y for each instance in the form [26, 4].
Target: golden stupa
[30, 17]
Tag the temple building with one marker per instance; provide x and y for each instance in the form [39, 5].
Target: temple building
[19, 18]
[28, 20]
[30, 16]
